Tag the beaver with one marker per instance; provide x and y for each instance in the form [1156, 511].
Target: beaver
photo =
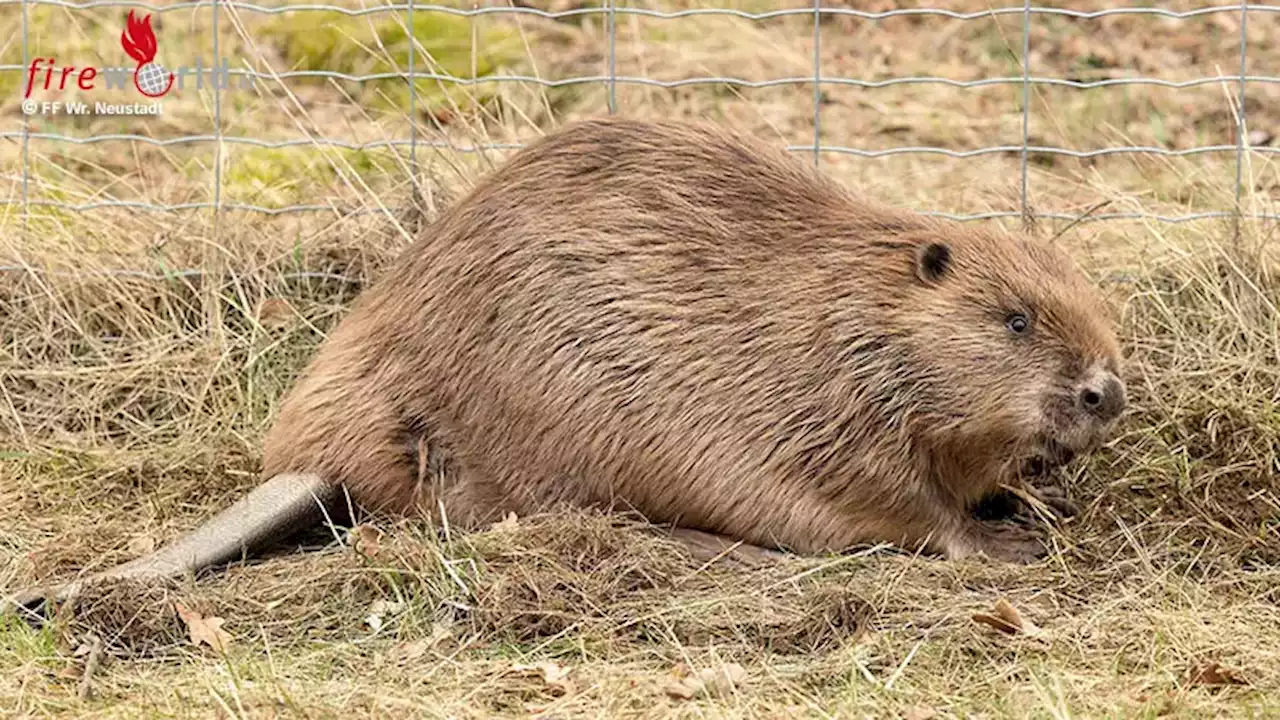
[678, 320]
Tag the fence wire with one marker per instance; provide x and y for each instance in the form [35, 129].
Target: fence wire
[611, 79]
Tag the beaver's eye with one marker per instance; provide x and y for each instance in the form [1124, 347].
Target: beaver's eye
[1017, 323]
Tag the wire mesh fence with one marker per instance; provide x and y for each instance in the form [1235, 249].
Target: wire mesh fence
[612, 12]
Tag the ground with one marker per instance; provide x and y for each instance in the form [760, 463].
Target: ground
[132, 404]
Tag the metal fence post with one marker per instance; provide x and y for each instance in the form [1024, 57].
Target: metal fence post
[26, 124]
[817, 82]
[217, 119]
[413, 116]
[1242, 126]
[1027, 220]
[611, 19]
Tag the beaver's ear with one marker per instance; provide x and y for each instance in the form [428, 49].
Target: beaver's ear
[933, 262]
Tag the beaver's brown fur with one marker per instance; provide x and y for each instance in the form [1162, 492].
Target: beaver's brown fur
[678, 320]
[687, 323]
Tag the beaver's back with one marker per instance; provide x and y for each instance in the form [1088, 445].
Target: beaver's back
[662, 315]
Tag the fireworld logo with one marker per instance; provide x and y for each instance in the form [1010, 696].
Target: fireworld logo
[149, 77]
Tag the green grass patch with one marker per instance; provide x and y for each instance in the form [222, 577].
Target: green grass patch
[24, 644]
[446, 44]
[10, 83]
[275, 176]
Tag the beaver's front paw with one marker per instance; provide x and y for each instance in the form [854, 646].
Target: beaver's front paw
[1005, 540]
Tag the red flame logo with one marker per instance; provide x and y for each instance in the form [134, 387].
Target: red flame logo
[139, 41]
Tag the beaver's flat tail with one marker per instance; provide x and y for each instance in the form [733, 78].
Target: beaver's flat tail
[275, 510]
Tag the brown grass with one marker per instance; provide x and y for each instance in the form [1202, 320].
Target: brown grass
[132, 406]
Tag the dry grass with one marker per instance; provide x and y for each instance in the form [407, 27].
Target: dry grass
[132, 406]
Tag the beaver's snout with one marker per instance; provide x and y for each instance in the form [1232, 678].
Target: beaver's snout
[1102, 396]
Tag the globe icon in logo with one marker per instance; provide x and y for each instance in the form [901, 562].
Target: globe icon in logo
[152, 79]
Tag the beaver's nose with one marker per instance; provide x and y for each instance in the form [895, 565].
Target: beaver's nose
[1103, 396]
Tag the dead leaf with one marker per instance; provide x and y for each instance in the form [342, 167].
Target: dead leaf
[510, 522]
[1008, 620]
[1260, 137]
[1213, 673]
[442, 116]
[1163, 703]
[142, 545]
[207, 630]
[275, 313]
[366, 540]
[379, 609]
[555, 677]
[706, 682]
[410, 651]
[920, 712]
[40, 562]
